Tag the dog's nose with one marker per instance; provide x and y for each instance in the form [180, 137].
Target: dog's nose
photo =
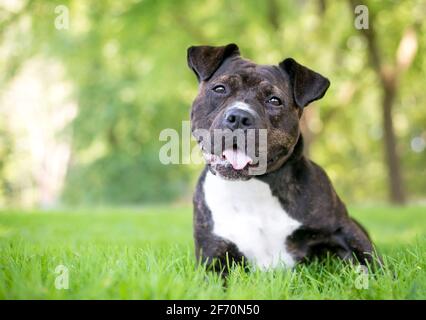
[238, 119]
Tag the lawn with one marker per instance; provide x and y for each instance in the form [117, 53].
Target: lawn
[148, 254]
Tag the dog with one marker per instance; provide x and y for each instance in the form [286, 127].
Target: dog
[290, 213]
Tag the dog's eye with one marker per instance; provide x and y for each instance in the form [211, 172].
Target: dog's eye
[219, 89]
[275, 101]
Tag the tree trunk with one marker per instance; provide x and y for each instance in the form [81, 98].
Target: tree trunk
[396, 190]
[388, 80]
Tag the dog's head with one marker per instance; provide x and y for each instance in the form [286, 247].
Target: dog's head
[238, 98]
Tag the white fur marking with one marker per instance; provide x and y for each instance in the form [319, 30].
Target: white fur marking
[246, 213]
[242, 106]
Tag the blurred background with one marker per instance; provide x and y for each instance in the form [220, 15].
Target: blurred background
[87, 86]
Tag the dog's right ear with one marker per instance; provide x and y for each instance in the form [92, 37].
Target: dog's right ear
[205, 60]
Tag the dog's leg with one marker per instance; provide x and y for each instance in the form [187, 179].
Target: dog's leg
[217, 254]
[349, 242]
[358, 242]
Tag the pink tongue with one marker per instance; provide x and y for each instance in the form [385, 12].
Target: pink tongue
[237, 158]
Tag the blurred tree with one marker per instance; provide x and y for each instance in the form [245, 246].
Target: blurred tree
[126, 63]
[389, 74]
[389, 78]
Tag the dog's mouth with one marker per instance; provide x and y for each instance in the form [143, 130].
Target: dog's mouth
[238, 159]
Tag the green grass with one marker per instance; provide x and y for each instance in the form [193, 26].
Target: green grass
[148, 254]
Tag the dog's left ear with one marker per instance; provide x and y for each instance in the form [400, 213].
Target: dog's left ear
[307, 84]
[205, 60]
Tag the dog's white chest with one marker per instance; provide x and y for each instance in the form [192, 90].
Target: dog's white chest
[246, 213]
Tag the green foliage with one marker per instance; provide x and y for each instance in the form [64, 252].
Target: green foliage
[127, 63]
[148, 254]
